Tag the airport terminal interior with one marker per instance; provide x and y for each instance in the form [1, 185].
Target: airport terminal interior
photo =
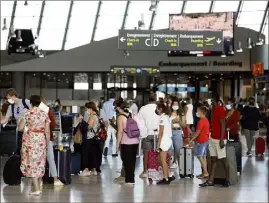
[77, 60]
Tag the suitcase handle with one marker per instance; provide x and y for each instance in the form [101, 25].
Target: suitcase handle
[154, 140]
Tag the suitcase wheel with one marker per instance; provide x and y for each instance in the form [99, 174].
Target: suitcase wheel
[191, 176]
[150, 181]
[181, 176]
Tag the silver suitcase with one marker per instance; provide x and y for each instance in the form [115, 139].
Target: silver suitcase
[186, 163]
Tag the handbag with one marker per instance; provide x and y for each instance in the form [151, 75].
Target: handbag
[78, 137]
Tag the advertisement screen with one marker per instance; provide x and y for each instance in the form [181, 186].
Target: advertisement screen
[205, 22]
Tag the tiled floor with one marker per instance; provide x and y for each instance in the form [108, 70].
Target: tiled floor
[253, 187]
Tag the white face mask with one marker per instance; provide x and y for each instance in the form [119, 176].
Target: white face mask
[228, 106]
[175, 108]
[11, 101]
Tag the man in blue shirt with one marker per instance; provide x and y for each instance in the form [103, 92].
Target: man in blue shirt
[110, 116]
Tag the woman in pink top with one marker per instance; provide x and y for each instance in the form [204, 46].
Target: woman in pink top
[128, 145]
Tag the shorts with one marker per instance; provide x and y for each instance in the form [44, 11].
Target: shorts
[215, 150]
[148, 143]
[200, 149]
[166, 144]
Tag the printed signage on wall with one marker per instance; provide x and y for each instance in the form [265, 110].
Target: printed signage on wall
[170, 40]
[203, 64]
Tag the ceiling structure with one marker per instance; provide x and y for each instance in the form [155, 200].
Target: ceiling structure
[63, 25]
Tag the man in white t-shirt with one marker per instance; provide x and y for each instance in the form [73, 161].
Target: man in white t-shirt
[151, 121]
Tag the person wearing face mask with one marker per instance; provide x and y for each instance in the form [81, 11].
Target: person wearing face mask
[251, 117]
[91, 147]
[177, 120]
[232, 120]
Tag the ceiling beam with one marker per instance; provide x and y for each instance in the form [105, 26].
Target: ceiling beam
[40, 18]
[67, 24]
[153, 16]
[125, 15]
[96, 20]
[211, 7]
[239, 9]
[264, 18]
[183, 7]
[12, 17]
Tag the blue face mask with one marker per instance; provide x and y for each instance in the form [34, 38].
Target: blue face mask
[198, 115]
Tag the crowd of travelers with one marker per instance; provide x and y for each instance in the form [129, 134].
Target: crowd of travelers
[174, 122]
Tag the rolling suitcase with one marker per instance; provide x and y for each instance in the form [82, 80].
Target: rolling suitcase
[238, 152]
[12, 173]
[75, 163]
[219, 176]
[260, 146]
[62, 157]
[155, 171]
[47, 178]
[9, 140]
[186, 163]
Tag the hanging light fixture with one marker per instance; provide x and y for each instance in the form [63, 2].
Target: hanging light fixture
[153, 6]
[249, 43]
[26, 3]
[260, 42]
[141, 23]
[4, 24]
[12, 31]
[223, 55]
[19, 39]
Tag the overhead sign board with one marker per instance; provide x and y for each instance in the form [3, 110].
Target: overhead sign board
[170, 40]
[133, 70]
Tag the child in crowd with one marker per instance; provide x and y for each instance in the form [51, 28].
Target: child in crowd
[201, 138]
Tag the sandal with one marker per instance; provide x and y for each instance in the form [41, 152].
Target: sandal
[203, 176]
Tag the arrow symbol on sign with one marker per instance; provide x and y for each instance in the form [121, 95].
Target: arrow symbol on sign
[218, 40]
[122, 39]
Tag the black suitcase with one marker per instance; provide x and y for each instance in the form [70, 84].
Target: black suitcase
[76, 163]
[9, 140]
[47, 178]
[63, 163]
[12, 173]
[238, 153]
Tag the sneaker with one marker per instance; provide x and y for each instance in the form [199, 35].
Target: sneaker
[171, 178]
[93, 173]
[174, 165]
[163, 182]
[143, 175]
[105, 152]
[84, 173]
[226, 184]
[58, 183]
[114, 155]
[249, 154]
[119, 179]
[36, 193]
[206, 184]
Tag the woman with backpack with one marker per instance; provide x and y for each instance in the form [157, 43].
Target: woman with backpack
[127, 141]
[91, 145]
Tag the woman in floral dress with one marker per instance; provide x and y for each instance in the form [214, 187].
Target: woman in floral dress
[36, 126]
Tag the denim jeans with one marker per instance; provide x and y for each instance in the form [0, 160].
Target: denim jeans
[50, 159]
[177, 142]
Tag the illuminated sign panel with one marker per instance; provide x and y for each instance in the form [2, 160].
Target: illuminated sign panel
[133, 70]
[169, 40]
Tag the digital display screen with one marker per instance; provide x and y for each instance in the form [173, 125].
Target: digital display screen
[190, 89]
[223, 22]
[131, 70]
[203, 89]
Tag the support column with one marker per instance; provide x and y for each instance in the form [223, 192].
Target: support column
[18, 83]
[233, 88]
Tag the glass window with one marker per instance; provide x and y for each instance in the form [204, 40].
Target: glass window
[110, 80]
[254, 5]
[27, 17]
[162, 14]
[246, 18]
[48, 86]
[265, 29]
[81, 23]
[107, 14]
[65, 86]
[53, 25]
[96, 91]
[222, 6]
[6, 12]
[136, 9]
[32, 84]
[81, 86]
[5, 83]
[197, 6]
